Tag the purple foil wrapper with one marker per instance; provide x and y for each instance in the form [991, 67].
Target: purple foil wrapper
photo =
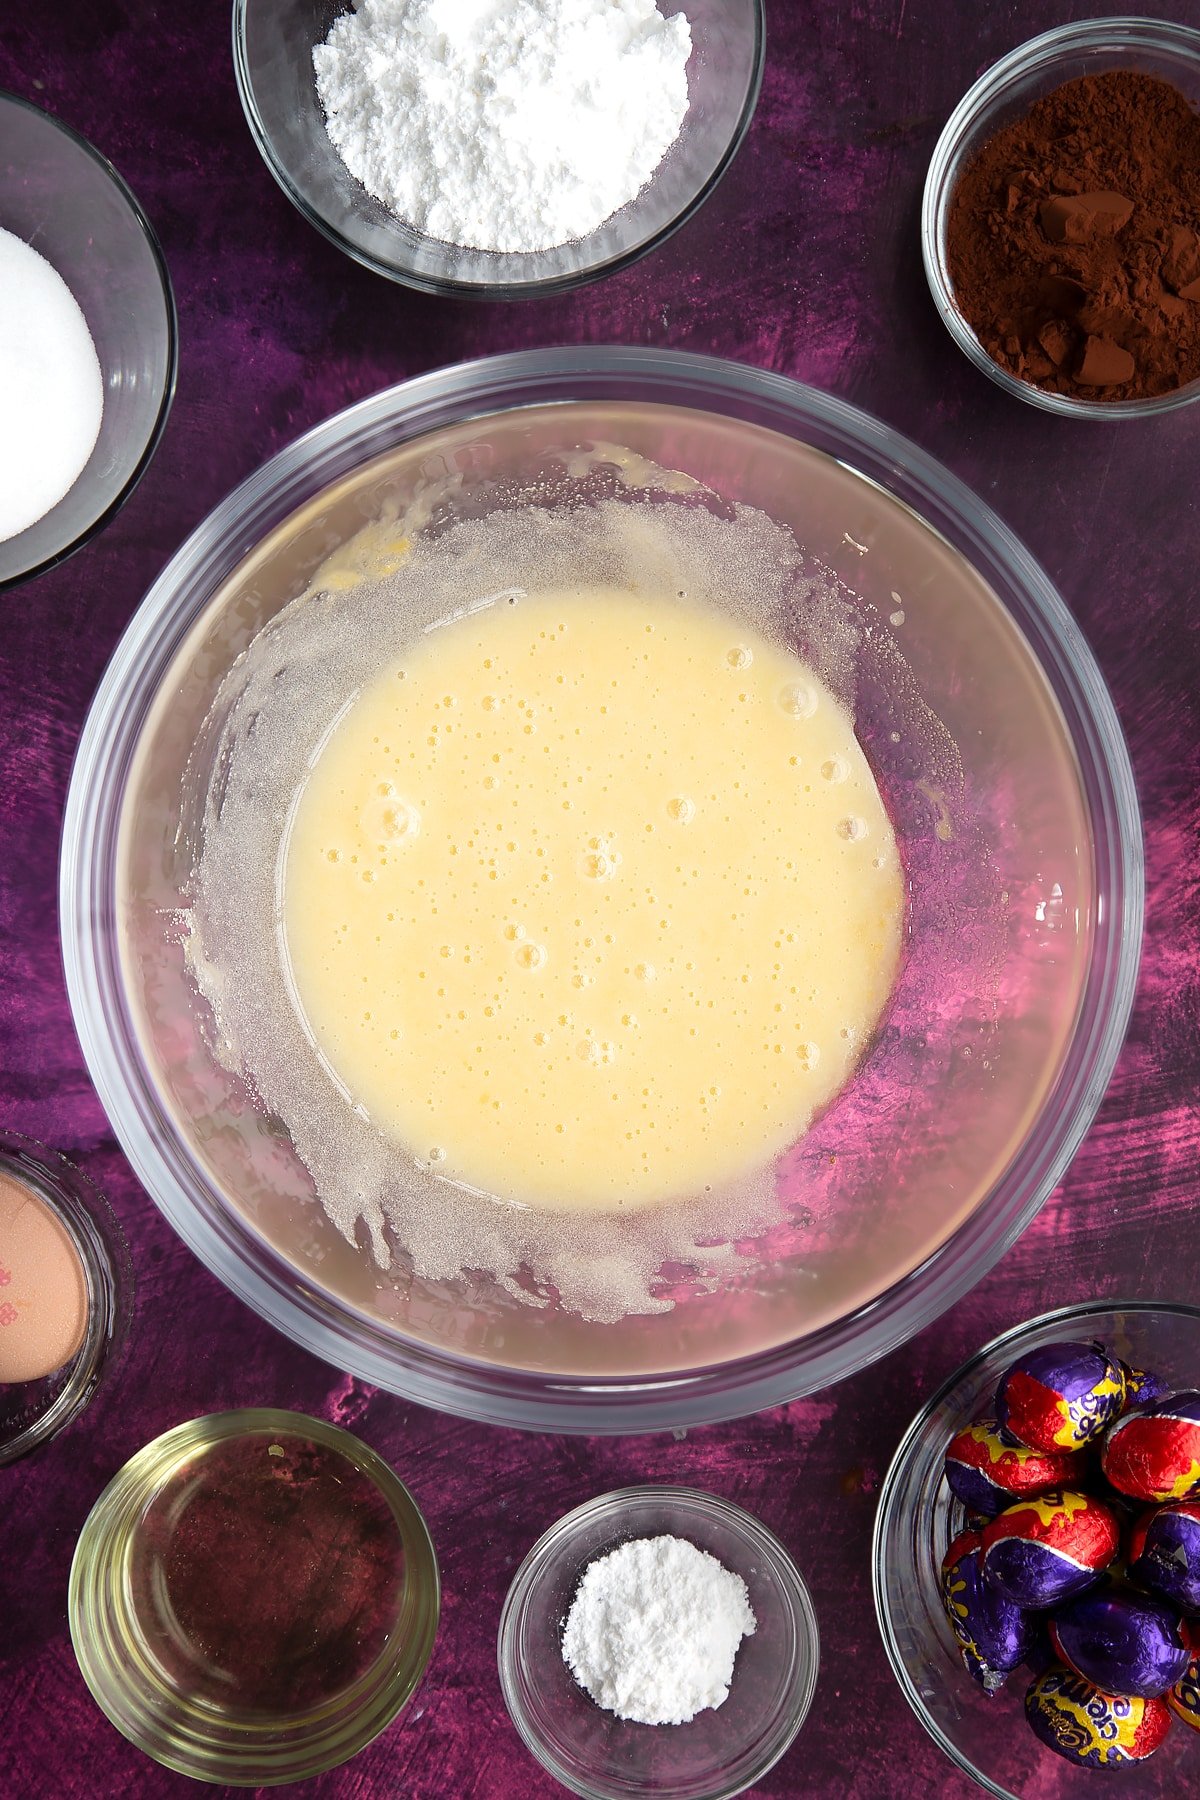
[1121, 1641]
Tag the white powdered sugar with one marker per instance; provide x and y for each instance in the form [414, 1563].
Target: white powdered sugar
[654, 1628]
[512, 125]
[51, 387]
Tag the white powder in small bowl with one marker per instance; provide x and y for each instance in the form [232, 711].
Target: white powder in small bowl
[51, 388]
[654, 1628]
[509, 125]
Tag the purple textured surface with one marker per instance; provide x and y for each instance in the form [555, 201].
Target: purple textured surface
[805, 261]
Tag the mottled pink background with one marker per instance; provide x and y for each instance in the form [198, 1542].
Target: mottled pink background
[805, 261]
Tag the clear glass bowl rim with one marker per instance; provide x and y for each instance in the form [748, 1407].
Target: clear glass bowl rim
[529, 1399]
[616, 1505]
[172, 323]
[1036, 56]
[904, 1457]
[484, 290]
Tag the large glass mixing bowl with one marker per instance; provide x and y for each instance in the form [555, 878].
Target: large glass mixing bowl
[996, 749]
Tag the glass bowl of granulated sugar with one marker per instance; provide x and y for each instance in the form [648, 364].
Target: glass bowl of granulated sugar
[501, 151]
[87, 341]
[658, 1640]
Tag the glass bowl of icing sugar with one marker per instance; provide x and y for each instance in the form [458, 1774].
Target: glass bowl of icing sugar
[503, 152]
[87, 340]
[338, 1041]
[609, 1626]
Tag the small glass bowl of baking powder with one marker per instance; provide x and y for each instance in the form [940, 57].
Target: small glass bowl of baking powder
[722, 1750]
[60, 199]
[1005, 93]
[273, 43]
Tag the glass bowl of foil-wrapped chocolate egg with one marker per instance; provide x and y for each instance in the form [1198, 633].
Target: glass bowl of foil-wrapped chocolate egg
[1021, 293]
[1037, 1556]
[273, 44]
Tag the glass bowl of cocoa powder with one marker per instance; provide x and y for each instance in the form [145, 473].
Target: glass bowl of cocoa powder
[1061, 220]
[600, 1744]
[986, 1734]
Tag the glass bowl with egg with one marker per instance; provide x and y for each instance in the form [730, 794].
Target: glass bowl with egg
[273, 59]
[66, 1293]
[734, 1157]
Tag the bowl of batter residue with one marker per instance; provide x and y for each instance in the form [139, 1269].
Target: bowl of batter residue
[979, 722]
[273, 61]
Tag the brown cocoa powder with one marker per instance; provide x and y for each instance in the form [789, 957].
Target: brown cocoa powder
[1073, 240]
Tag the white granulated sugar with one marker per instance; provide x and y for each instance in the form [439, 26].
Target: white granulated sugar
[509, 125]
[654, 1628]
[51, 388]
